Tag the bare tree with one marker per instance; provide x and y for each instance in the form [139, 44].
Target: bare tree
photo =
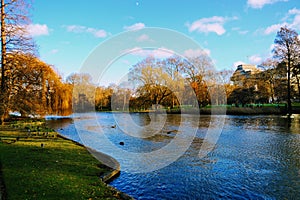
[83, 92]
[296, 75]
[287, 50]
[200, 74]
[158, 82]
[14, 33]
[270, 74]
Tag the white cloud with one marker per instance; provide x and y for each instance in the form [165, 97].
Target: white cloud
[54, 51]
[295, 13]
[292, 20]
[126, 62]
[237, 63]
[158, 53]
[241, 32]
[37, 29]
[143, 38]
[213, 24]
[255, 59]
[193, 53]
[273, 28]
[258, 4]
[135, 27]
[75, 28]
[99, 33]
[162, 53]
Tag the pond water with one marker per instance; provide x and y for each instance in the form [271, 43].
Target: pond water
[255, 157]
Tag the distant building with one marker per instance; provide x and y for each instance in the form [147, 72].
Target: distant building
[244, 72]
[265, 85]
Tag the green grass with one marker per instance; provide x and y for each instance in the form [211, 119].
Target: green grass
[256, 105]
[58, 170]
[296, 104]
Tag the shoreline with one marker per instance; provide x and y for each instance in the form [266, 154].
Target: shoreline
[219, 111]
[103, 158]
[11, 135]
[107, 161]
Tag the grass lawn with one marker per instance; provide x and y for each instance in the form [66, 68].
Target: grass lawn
[44, 166]
[296, 104]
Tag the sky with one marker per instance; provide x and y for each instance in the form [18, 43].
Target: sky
[229, 31]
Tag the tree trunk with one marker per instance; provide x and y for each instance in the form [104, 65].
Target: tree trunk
[2, 111]
[4, 115]
[43, 95]
[298, 85]
[3, 64]
[289, 103]
[3, 46]
[124, 102]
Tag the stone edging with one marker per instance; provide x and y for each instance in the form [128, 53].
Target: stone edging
[108, 161]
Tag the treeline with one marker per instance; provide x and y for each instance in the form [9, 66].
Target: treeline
[153, 84]
[176, 82]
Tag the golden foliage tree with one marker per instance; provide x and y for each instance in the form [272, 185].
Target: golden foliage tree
[14, 38]
[34, 88]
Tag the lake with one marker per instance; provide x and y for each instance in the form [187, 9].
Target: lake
[255, 157]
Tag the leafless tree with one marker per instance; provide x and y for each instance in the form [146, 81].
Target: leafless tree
[287, 50]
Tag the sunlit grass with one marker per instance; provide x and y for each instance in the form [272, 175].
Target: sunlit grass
[41, 165]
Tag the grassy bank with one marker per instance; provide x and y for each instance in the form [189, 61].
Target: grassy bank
[40, 165]
[248, 109]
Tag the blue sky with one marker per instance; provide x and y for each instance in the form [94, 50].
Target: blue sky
[230, 31]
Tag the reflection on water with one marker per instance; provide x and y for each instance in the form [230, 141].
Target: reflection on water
[59, 123]
[256, 157]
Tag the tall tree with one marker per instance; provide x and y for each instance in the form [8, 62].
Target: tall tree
[198, 72]
[103, 98]
[174, 66]
[83, 92]
[14, 38]
[158, 82]
[34, 88]
[287, 50]
[175, 81]
[296, 75]
[14, 33]
[156, 85]
[269, 75]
